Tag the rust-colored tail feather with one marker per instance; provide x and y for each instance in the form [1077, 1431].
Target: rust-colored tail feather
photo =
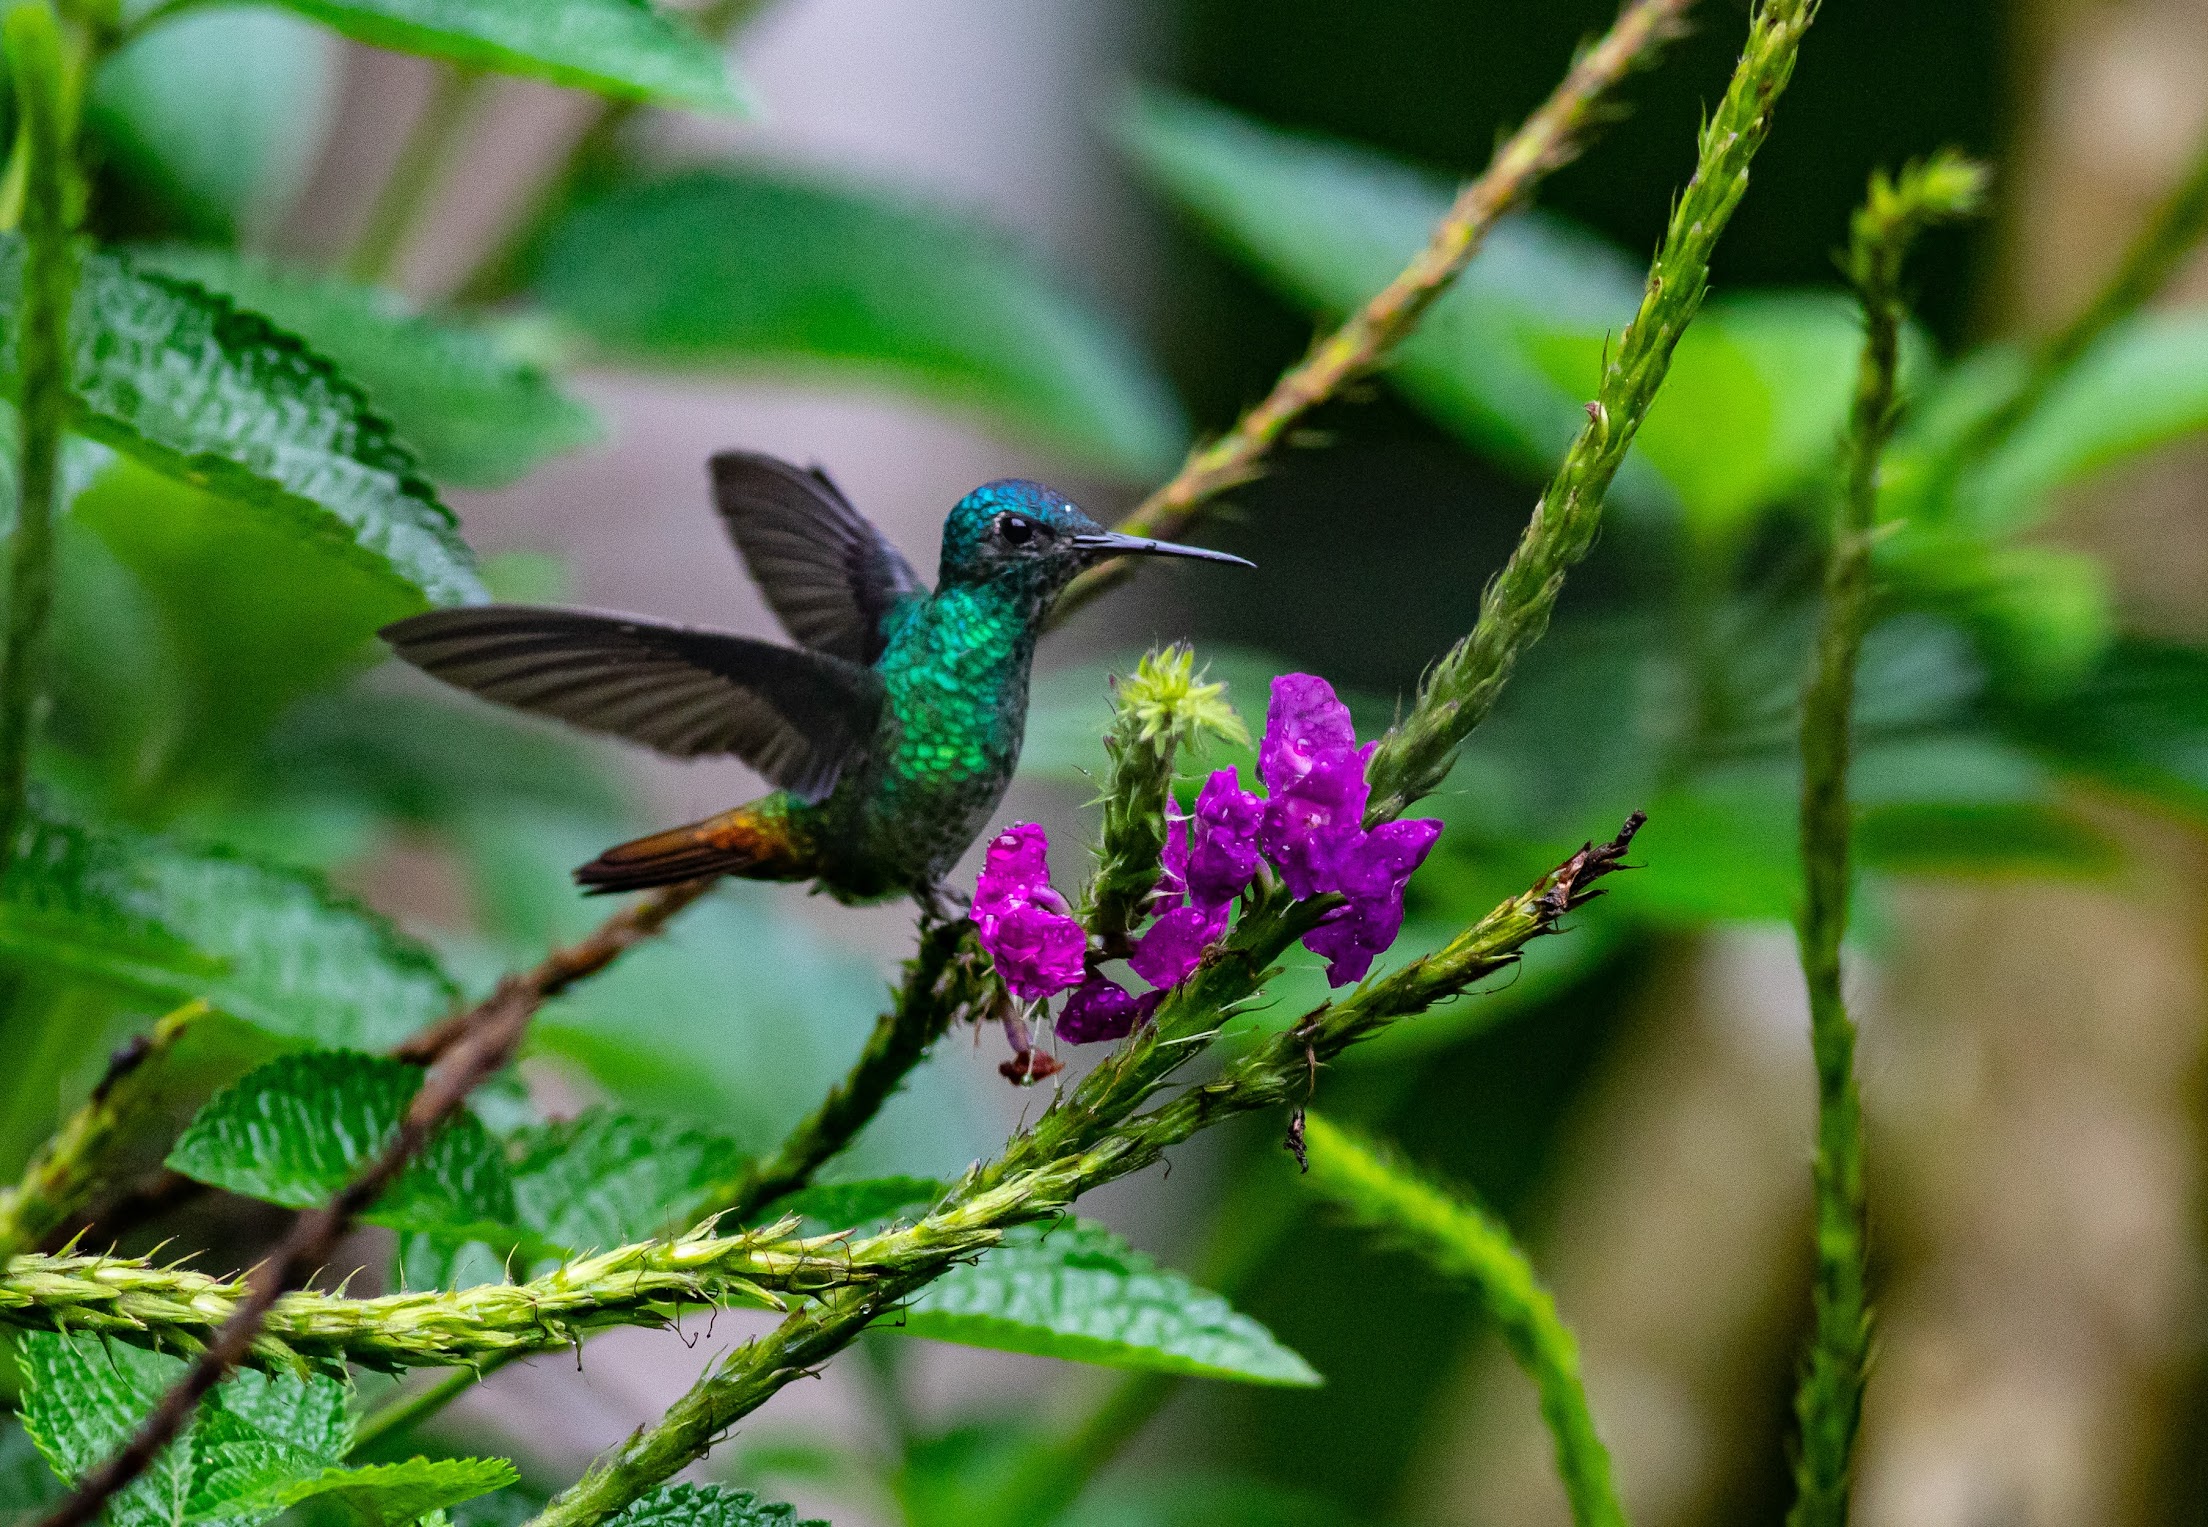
[754, 842]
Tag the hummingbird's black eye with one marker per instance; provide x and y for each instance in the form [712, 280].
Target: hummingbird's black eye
[1015, 529]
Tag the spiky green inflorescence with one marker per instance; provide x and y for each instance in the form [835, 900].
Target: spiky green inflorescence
[1463, 1240]
[1460, 689]
[645, 1284]
[1829, 1402]
[1092, 1136]
[1164, 706]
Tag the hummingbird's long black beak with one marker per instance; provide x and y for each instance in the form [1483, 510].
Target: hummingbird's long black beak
[1110, 543]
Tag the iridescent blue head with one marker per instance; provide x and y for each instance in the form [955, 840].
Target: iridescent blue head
[1031, 539]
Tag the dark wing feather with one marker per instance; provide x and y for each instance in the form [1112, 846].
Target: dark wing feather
[797, 717]
[825, 569]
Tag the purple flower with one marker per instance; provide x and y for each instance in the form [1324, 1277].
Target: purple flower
[1304, 724]
[1022, 922]
[1372, 874]
[1223, 855]
[1102, 1009]
[1176, 942]
[1315, 818]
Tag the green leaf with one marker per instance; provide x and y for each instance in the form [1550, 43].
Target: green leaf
[252, 617]
[299, 1129]
[1328, 225]
[481, 414]
[624, 48]
[606, 1179]
[378, 1495]
[260, 1445]
[750, 268]
[2145, 384]
[832, 1206]
[1078, 1291]
[180, 380]
[268, 946]
[707, 1506]
[2041, 615]
[83, 1400]
[213, 122]
[305, 1412]
[2139, 723]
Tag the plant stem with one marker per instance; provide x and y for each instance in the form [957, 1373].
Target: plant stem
[1552, 137]
[71, 1165]
[1829, 1402]
[1464, 1241]
[1460, 690]
[128, 1299]
[416, 173]
[46, 107]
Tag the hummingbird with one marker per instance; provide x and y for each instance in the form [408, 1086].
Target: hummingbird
[891, 729]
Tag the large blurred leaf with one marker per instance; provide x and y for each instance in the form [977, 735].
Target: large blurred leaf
[606, 1179]
[1329, 225]
[626, 48]
[252, 616]
[300, 1128]
[2041, 615]
[2144, 384]
[216, 118]
[180, 380]
[270, 947]
[1077, 1291]
[2138, 723]
[480, 414]
[745, 267]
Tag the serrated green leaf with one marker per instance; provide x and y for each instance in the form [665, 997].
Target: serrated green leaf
[708, 1506]
[1328, 225]
[268, 946]
[378, 1495]
[306, 1412]
[831, 1206]
[83, 1399]
[213, 122]
[480, 414]
[624, 48]
[1077, 1291]
[179, 379]
[606, 1179]
[300, 1128]
[756, 268]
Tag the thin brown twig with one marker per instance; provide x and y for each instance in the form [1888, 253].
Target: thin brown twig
[469, 1048]
[1549, 139]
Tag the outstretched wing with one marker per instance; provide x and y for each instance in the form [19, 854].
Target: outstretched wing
[797, 717]
[825, 569]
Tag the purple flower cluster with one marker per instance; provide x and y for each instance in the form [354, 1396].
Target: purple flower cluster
[1309, 824]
